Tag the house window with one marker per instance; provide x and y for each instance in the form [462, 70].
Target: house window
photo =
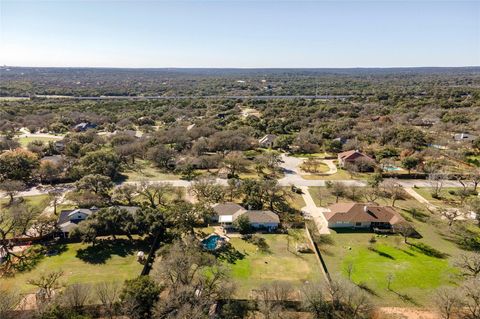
[358, 224]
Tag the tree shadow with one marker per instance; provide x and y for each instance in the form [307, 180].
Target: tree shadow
[406, 298]
[381, 253]
[229, 254]
[428, 250]
[363, 286]
[104, 250]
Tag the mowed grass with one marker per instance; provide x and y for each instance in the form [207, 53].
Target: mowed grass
[144, 171]
[415, 275]
[37, 202]
[112, 264]
[445, 197]
[280, 263]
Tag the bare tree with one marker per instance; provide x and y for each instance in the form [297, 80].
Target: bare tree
[404, 229]
[393, 190]
[12, 188]
[337, 189]
[109, 295]
[450, 214]
[47, 283]
[436, 182]
[471, 293]
[448, 302]
[9, 300]
[156, 194]
[271, 298]
[76, 296]
[469, 263]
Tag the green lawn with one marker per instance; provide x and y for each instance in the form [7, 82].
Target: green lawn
[38, 202]
[24, 141]
[142, 170]
[280, 263]
[416, 274]
[82, 264]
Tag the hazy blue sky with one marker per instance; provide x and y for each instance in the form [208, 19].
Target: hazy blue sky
[240, 33]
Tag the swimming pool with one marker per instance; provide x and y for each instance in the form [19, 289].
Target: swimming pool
[211, 242]
[392, 168]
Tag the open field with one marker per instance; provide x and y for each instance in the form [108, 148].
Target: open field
[144, 171]
[279, 263]
[416, 271]
[415, 274]
[82, 263]
[341, 174]
[38, 202]
[24, 141]
[446, 199]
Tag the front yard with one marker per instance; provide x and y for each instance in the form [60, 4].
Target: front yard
[255, 267]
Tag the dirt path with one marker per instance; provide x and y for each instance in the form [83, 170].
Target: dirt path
[406, 313]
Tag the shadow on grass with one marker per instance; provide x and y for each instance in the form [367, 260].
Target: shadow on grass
[104, 250]
[405, 298]
[417, 214]
[367, 289]
[229, 254]
[381, 253]
[428, 250]
[407, 252]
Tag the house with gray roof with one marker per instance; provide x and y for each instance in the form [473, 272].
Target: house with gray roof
[227, 213]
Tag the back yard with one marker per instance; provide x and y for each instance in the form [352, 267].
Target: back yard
[277, 261]
[82, 263]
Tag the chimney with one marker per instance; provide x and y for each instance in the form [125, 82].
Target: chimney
[365, 209]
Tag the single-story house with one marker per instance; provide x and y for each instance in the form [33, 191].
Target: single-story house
[362, 216]
[267, 140]
[351, 157]
[226, 214]
[82, 127]
[262, 219]
[69, 219]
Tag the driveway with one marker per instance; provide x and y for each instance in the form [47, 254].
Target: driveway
[317, 213]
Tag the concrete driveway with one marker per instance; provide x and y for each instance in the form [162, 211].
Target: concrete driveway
[317, 213]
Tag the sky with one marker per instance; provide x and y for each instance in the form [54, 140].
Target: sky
[243, 34]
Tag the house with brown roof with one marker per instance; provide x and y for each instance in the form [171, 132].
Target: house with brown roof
[362, 216]
[351, 157]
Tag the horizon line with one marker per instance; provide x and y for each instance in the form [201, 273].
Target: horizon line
[239, 68]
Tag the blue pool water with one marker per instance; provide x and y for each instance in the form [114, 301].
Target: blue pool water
[211, 242]
[392, 168]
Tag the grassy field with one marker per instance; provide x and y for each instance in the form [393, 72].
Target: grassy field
[112, 261]
[339, 175]
[144, 171]
[445, 197]
[255, 267]
[417, 272]
[38, 202]
[24, 141]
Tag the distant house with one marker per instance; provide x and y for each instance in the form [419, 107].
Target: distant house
[351, 157]
[464, 137]
[69, 219]
[267, 141]
[227, 213]
[362, 216]
[82, 127]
